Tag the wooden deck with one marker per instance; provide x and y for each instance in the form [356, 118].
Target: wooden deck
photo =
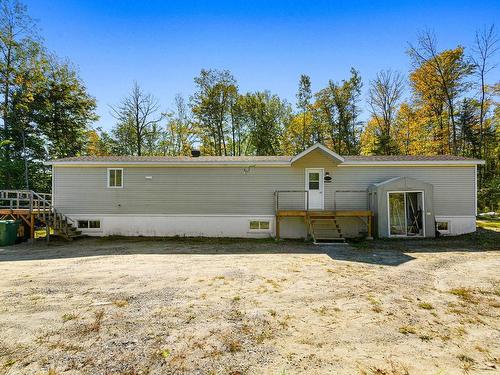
[308, 214]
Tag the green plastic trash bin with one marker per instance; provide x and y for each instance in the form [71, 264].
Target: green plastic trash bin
[8, 232]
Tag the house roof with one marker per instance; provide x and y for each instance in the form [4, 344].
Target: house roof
[266, 160]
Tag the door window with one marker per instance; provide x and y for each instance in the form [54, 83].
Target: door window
[314, 180]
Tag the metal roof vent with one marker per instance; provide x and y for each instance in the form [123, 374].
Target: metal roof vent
[195, 153]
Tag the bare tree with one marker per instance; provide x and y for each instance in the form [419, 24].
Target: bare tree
[385, 93]
[484, 50]
[139, 111]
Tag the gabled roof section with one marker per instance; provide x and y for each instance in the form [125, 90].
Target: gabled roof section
[319, 147]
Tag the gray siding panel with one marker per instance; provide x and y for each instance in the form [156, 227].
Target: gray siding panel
[454, 190]
[228, 190]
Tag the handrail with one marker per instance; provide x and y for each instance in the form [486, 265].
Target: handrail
[277, 196]
[25, 199]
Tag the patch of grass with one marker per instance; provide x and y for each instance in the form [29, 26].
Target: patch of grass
[68, 317]
[376, 304]
[9, 363]
[274, 283]
[405, 330]
[236, 298]
[489, 224]
[425, 306]
[120, 303]
[465, 294]
[321, 310]
[425, 337]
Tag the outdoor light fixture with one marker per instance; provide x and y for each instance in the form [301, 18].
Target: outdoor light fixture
[328, 178]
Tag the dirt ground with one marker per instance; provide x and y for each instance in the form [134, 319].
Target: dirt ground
[193, 306]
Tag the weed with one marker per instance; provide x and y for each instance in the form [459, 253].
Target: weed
[165, 353]
[236, 298]
[272, 313]
[467, 363]
[393, 369]
[231, 343]
[52, 371]
[68, 317]
[425, 306]
[95, 326]
[120, 303]
[405, 330]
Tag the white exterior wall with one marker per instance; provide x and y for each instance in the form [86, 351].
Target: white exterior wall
[177, 225]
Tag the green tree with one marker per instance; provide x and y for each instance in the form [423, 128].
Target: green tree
[338, 108]
[266, 116]
[65, 110]
[212, 105]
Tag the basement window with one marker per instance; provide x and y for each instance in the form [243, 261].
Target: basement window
[256, 225]
[443, 226]
[115, 177]
[89, 224]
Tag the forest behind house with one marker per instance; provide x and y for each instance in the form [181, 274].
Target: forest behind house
[446, 104]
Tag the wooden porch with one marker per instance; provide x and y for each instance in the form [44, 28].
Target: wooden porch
[35, 209]
[314, 218]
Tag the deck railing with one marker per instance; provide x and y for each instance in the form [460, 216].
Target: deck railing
[25, 200]
[291, 200]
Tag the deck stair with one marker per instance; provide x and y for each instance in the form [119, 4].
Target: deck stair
[36, 208]
[324, 229]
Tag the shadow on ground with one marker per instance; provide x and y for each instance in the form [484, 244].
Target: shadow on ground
[380, 252]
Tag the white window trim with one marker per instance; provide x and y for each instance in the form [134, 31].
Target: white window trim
[89, 229]
[260, 230]
[114, 169]
[448, 231]
[406, 225]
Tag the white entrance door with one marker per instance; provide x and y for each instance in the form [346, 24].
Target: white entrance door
[314, 185]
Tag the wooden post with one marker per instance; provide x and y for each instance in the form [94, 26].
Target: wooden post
[277, 227]
[32, 226]
[370, 236]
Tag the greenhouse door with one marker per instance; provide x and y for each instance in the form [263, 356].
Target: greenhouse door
[405, 213]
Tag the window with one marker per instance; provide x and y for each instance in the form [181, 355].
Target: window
[314, 181]
[89, 224]
[115, 177]
[443, 226]
[259, 225]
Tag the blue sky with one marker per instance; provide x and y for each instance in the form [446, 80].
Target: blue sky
[266, 44]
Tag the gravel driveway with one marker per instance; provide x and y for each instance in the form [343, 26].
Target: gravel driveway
[189, 306]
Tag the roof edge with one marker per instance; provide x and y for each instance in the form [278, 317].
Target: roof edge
[167, 163]
[411, 162]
